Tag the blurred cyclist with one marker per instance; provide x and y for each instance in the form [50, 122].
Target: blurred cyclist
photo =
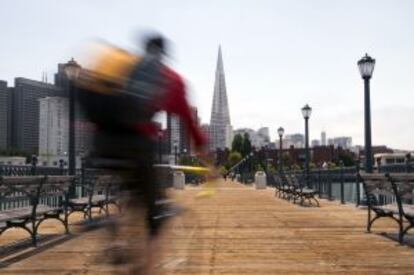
[126, 134]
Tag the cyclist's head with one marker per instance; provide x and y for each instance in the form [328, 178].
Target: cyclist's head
[155, 45]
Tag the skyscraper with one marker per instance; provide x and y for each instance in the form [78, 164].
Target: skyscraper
[25, 112]
[220, 126]
[4, 115]
[53, 126]
[343, 142]
[295, 140]
[178, 134]
[323, 138]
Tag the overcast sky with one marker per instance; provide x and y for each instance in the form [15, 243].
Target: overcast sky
[278, 55]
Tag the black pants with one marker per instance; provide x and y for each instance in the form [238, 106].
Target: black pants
[132, 157]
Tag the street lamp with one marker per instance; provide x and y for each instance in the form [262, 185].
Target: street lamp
[306, 112]
[72, 70]
[183, 156]
[251, 167]
[280, 132]
[175, 151]
[366, 67]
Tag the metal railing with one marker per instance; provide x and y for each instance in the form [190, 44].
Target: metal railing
[341, 183]
[32, 170]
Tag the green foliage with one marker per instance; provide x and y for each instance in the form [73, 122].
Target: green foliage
[189, 160]
[237, 144]
[287, 160]
[347, 158]
[241, 144]
[222, 170]
[259, 168]
[271, 169]
[331, 165]
[13, 152]
[247, 145]
[234, 158]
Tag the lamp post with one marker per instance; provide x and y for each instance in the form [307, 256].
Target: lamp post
[280, 132]
[184, 155]
[160, 134]
[251, 168]
[306, 112]
[72, 70]
[366, 67]
[175, 151]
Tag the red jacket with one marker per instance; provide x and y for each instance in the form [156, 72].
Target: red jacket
[174, 101]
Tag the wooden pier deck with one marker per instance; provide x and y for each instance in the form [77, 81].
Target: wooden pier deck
[240, 230]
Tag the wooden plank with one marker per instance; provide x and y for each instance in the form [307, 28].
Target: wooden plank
[241, 230]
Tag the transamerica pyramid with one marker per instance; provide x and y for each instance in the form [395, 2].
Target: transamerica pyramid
[220, 126]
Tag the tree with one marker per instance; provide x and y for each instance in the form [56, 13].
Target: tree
[287, 160]
[246, 145]
[222, 170]
[346, 157]
[259, 168]
[190, 161]
[237, 144]
[271, 169]
[234, 158]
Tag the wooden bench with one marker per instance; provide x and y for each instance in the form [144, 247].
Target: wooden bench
[403, 187]
[283, 188]
[289, 187]
[301, 192]
[101, 191]
[380, 198]
[27, 201]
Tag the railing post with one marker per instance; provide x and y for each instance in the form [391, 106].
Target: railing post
[329, 181]
[83, 172]
[408, 163]
[34, 164]
[342, 182]
[310, 178]
[358, 191]
[379, 166]
[319, 183]
[61, 166]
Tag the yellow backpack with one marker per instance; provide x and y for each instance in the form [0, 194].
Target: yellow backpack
[110, 70]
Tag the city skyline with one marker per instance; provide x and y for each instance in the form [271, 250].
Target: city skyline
[280, 55]
[286, 136]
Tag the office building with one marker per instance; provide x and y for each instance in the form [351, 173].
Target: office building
[25, 112]
[258, 139]
[4, 115]
[53, 127]
[220, 129]
[315, 143]
[295, 140]
[343, 142]
[179, 135]
[323, 138]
